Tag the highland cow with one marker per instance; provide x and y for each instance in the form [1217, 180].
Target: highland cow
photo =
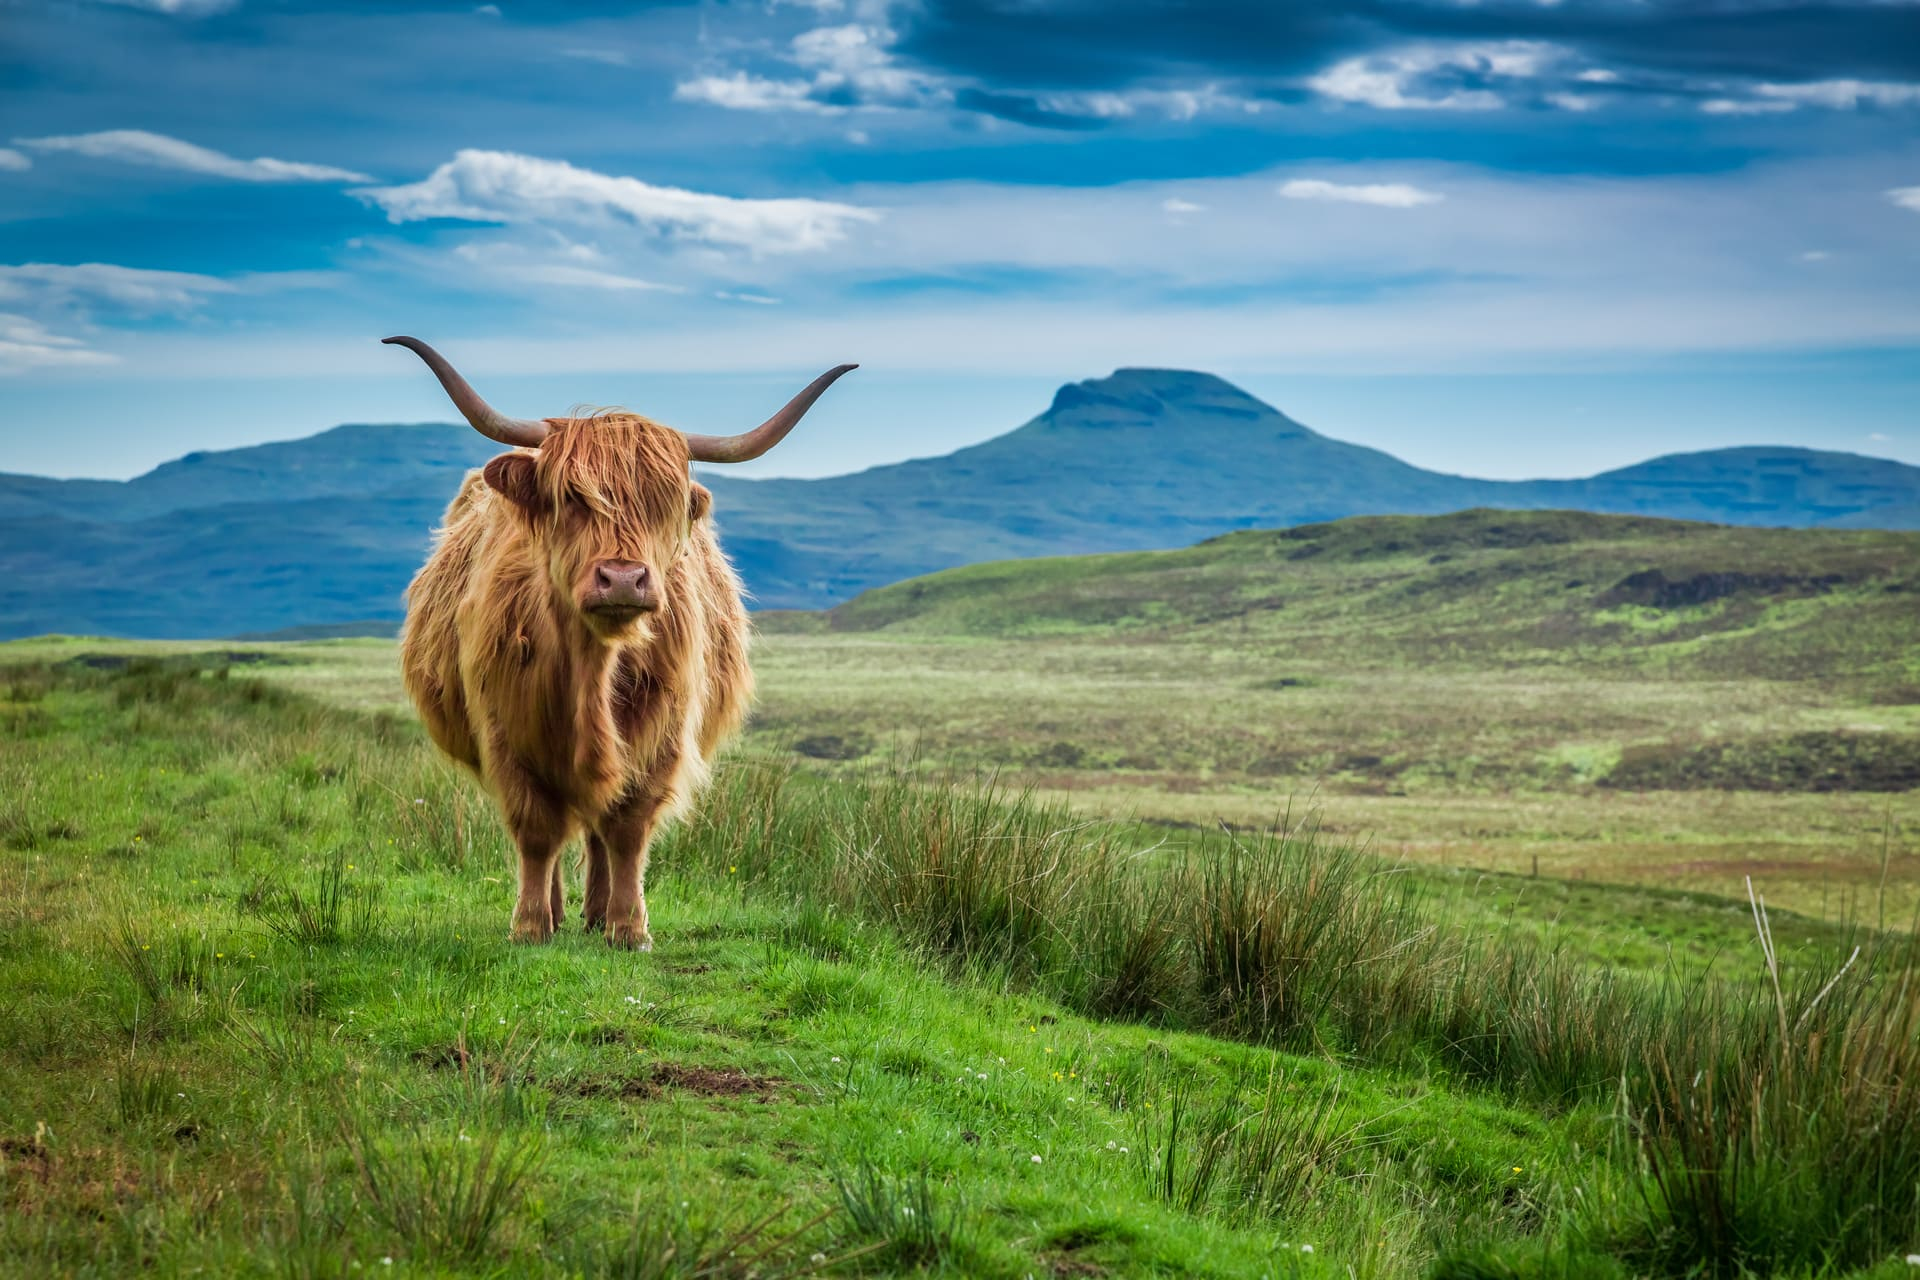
[577, 640]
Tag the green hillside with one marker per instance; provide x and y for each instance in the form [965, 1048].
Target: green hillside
[1473, 589]
[1599, 698]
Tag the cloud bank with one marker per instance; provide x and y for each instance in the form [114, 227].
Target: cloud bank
[137, 146]
[503, 187]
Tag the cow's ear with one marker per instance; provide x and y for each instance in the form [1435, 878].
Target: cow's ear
[511, 475]
[700, 505]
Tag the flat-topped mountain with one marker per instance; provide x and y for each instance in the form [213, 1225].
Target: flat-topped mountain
[327, 530]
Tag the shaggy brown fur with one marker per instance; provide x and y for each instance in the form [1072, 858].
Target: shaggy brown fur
[572, 719]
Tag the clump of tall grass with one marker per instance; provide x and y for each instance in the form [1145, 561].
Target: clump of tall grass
[901, 1222]
[1259, 1153]
[444, 1196]
[1797, 1144]
[1290, 934]
[338, 907]
[665, 1242]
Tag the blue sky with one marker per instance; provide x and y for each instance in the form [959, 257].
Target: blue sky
[1497, 237]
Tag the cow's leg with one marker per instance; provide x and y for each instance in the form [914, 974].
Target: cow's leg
[598, 883]
[557, 898]
[540, 826]
[627, 831]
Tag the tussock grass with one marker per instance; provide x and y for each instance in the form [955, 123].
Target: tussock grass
[903, 1219]
[1256, 1152]
[1777, 1126]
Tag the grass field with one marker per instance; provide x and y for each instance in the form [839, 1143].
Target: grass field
[1611, 699]
[260, 1016]
[262, 1020]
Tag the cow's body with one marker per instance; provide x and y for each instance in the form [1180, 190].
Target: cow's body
[569, 731]
[578, 641]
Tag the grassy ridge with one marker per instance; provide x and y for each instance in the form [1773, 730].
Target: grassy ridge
[267, 1024]
[1478, 589]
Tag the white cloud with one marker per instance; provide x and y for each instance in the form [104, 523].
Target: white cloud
[1815, 255]
[13, 161]
[1878, 437]
[1574, 101]
[489, 10]
[740, 91]
[1174, 104]
[1391, 195]
[24, 345]
[562, 276]
[1906, 197]
[758, 299]
[1598, 75]
[1176, 206]
[503, 187]
[859, 57]
[1424, 77]
[137, 146]
[850, 65]
[1744, 107]
[1843, 95]
[132, 288]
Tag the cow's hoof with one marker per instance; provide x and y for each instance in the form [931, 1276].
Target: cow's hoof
[627, 938]
[539, 931]
[594, 924]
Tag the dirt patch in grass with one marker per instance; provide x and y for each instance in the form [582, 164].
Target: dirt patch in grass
[674, 1077]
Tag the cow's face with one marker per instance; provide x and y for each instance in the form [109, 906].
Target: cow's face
[611, 509]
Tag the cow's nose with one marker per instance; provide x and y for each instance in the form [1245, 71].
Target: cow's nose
[619, 584]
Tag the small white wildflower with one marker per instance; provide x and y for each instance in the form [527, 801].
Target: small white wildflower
[906, 1211]
[503, 1022]
[1036, 1159]
[179, 1095]
[817, 1259]
[416, 800]
[983, 1075]
[836, 1058]
[633, 999]
[1913, 1259]
[388, 1261]
[1123, 1151]
[1306, 1248]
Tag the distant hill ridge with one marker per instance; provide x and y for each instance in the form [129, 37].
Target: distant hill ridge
[327, 530]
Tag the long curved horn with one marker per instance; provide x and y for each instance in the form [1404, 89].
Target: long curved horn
[487, 420]
[750, 445]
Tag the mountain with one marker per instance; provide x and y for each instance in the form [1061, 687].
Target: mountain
[327, 530]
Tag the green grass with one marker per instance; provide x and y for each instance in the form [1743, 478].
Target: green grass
[262, 1019]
